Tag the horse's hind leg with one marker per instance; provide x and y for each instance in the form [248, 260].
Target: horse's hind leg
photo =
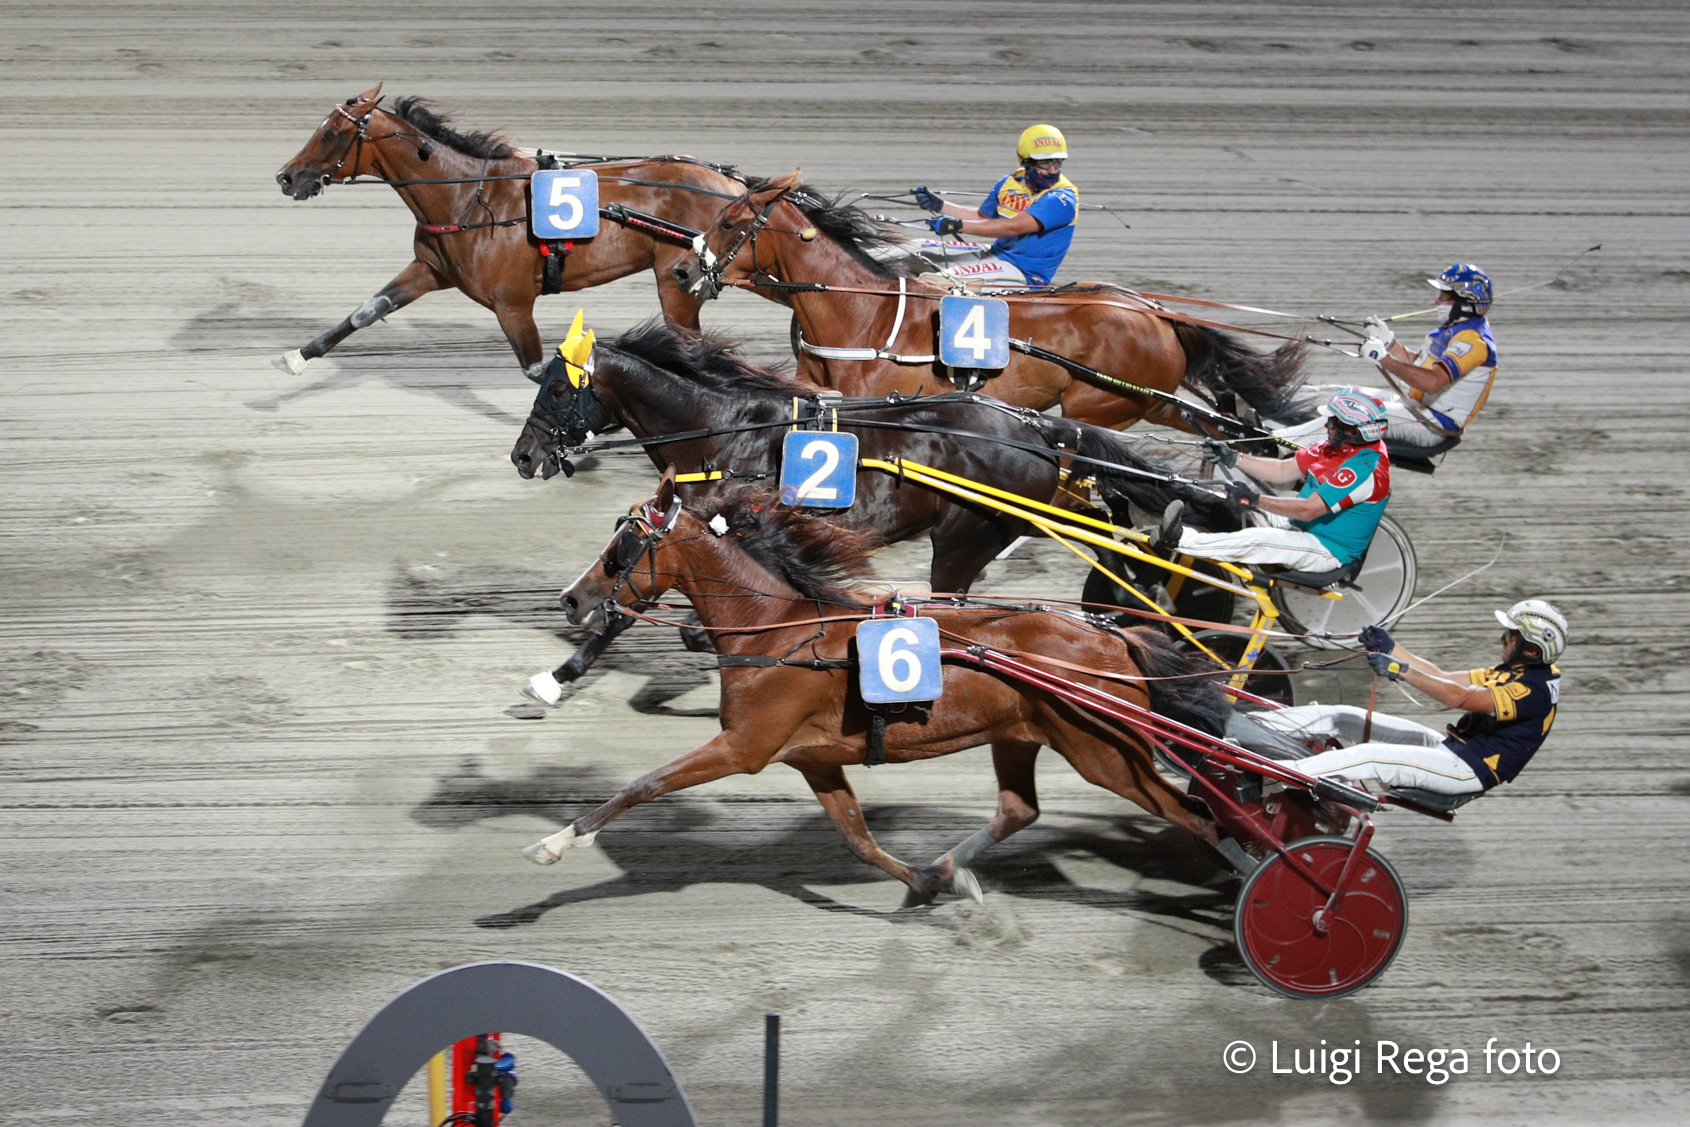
[1018, 808]
[411, 283]
[833, 791]
[1128, 772]
[731, 753]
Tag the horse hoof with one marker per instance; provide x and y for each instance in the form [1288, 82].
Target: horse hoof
[292, 363]
[540, 855]
[963, 884]
[544, 688]
[549, 850]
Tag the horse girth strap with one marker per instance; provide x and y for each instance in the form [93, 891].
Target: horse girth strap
[767, 661]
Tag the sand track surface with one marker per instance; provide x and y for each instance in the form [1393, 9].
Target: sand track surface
[264, 760]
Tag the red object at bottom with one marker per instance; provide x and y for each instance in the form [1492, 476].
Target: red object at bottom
[478, 1107]
[1285, 939]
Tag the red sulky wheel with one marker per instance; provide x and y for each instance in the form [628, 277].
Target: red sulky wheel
[1274, 922]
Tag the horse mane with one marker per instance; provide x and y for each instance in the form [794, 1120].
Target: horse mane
[708, 360]
[817, 558]
[486, 144]
[849, 226]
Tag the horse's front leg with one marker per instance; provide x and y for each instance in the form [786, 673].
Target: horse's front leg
[731, 753]
[547, 688]
[410, 284]
[679, 307]
[516, 316]
[1018, 808]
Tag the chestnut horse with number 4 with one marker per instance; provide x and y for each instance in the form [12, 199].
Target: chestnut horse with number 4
[769, 583]
[473, 234]
[868, 327]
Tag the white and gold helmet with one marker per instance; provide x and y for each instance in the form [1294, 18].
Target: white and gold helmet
[1540, 624]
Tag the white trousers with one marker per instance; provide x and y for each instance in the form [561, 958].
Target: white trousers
[1284, 547]
[1404, 428]
[1400, 753]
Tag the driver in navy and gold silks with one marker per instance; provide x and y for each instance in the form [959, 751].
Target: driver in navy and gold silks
[1507, 711]
[1029, 213]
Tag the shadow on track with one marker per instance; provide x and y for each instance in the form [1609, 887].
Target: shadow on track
[788, 846]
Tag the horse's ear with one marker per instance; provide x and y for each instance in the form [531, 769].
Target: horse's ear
[666, 491]
[577, 351]
[367, 97]
[783, 183]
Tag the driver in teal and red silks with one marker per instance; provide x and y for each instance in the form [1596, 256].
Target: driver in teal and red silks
[1029, 213]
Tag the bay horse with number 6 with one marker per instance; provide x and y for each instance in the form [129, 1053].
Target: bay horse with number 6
[469, 194]
[781, 231]
[771, 585]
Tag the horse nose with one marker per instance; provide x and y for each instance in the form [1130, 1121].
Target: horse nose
[683, 274]
[523, 463]
[571, 608]
[285, 181]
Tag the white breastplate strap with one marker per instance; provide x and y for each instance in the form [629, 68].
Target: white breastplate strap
[829, 353]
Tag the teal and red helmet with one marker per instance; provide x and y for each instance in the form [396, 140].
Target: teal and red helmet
[1358, 411]
[1468, 283]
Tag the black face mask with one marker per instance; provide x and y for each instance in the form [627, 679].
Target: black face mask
[625, 552]
[576, 411]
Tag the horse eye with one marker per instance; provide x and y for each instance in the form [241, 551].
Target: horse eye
[727, 225]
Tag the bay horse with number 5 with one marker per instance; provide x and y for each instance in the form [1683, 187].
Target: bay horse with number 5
[771, 585]
[473, 235]
[780, 230]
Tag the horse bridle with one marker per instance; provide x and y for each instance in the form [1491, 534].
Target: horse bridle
[637, 536]
[713, 266]
[355, 143]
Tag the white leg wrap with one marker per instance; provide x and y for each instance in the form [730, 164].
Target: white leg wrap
[544, 688]
[291, 362]
[548, 850]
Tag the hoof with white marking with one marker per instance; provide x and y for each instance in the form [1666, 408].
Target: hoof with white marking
[291, 362]
[963, 884]
[549, 850]
[544, 688]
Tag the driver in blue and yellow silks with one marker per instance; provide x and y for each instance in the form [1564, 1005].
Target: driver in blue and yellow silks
[1030, 214]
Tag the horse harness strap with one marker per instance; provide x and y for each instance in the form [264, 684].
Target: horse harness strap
[827, 352]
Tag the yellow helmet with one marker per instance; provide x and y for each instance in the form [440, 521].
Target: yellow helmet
[1042, 142]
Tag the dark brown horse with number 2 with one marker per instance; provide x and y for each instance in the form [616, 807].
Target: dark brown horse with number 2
[769, 583]
[473, 229]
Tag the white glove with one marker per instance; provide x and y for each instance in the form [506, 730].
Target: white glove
[1377, 329]
[1375, 349]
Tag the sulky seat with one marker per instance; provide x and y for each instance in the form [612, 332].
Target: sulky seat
[1319, 580]
[1419, 459]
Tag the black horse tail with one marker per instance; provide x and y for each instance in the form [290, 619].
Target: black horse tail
[1196, 701]
[1269, 382]
[1204, 511]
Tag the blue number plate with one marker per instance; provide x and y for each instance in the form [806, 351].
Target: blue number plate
[898, 660]
[565, 203]
[818, 469]
[973, 332]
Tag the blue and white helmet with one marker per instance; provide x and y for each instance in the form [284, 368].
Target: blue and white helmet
[1467, 282]
[1539, 623]
[1360, 412]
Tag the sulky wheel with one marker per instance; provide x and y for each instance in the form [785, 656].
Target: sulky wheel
[1383, 590]
[1274, 922]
